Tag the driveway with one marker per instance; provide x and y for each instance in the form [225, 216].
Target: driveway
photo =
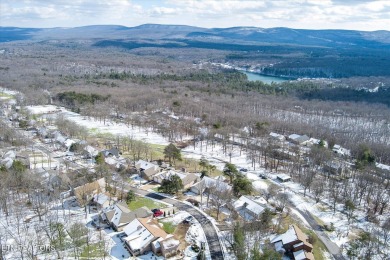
[332, 247]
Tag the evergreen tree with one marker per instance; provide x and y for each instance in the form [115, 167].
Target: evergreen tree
[171, 185]
[99, 159]
[130, 196]
[172, 153]
[239, 242]
[242, 185]
[231, 171]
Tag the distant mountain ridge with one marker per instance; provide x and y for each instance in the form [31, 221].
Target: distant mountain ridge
[252, 35]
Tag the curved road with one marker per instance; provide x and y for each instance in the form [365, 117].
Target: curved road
[208, 228]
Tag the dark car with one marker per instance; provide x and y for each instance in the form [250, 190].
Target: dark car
[243, 170]
[263, 176]
[157, 213]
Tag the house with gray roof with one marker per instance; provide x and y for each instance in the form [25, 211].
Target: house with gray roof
[147, 169]
[207, 183]
[248, 208]
[119, 215]
[299, 139]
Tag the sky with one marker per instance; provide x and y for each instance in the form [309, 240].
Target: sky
[366, 15]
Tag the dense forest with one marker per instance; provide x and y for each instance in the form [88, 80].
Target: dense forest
[113, 81]
[292, 61]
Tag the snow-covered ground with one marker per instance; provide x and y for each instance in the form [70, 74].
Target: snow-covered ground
[99, 126]
[8, 91]
[343, 231]
[27, 232]
[215, 155]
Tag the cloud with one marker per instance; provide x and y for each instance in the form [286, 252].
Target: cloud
[344, 14]
[161, 11]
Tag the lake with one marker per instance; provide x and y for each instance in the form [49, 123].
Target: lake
[266, 79]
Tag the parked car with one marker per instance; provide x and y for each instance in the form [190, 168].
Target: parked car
[157, 213]
[263, 176]
[188, 220]
[243, 170]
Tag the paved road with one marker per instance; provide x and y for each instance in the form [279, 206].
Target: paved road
[208, 228]
[332, 247]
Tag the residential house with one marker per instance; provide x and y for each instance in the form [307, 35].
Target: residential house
[167, 175]
[85, 193]
[101, 201]
[315, 141]
[119, 215]
[341, 150]
[277, 136]
[283, 177]
[248, 208]
[335, 167]
[68, 143]
[54, 180]
[116, 162]
[90, 152]
[188, 179]
[299, 139]
[169, 247]
[294, 242]
[141, 233]
[147, 169]
[59, 137]
[111, 152]
[43, 132]
[207, 183]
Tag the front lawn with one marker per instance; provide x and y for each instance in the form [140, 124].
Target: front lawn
[169, 227]
[145, 202]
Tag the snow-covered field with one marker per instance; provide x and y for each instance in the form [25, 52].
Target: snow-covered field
[99, 126]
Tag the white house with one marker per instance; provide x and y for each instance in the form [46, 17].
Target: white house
[341, 150]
